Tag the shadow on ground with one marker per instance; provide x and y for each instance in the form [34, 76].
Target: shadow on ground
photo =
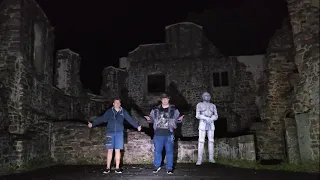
[144, 172]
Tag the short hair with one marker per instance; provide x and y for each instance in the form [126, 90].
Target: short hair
[116, 99]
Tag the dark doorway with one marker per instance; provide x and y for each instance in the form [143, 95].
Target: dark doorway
[221, 128]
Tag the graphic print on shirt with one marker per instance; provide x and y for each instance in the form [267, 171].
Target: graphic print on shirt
[163, 122]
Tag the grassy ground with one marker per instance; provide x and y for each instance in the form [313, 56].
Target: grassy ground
[307, 167]
[31, 165]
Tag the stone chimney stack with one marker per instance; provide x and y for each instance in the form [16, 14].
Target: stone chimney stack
[124, 63]
[67, 72]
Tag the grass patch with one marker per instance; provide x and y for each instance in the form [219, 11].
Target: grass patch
[306, 167]
[28, 166]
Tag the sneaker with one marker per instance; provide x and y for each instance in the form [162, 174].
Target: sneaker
[106, 171]
[156, 169]
[118, 171]
[169, 171]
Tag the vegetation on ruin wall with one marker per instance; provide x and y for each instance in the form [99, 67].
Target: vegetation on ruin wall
[28, 166]
[306, 167]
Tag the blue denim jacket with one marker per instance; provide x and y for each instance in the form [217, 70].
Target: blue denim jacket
[173, 119]
[115, 123]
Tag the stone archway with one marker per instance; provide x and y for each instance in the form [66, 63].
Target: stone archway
[291, 138]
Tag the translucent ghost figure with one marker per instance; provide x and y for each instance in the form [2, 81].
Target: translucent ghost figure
[207, 113]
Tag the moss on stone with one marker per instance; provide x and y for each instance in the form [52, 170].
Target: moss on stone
[312, 166]
[32, 164]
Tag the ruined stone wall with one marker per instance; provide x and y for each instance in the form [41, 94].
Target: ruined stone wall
[113, 83]
[9, 56]
[182, 74]
[245, 81]
[77, 144]
[187, 60]
[29, 101]
[67, 69]
[277, 95]
[304, 16]
[291, 139]
[184, 40]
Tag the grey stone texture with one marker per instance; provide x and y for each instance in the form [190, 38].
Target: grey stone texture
[76, 144]
[30, 101]
[44, 110]
[261, 91]
[67, 77]
[291, 136]
[290, 102]
[113, 83]
[304, 16]
[188, 60]
[276, 95]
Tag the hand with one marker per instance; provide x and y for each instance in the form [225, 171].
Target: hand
[89, 124]
[181, 118]
[139, 128]
[147, 118]
[209, 121]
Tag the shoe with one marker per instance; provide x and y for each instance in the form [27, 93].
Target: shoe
[118, 171]
[156, 169]
[106, 171]
[198, 163]
[169, 171]
[212, 161]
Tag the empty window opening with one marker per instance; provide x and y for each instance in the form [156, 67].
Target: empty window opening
[220, 79]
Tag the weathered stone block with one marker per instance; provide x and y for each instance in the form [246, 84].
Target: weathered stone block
[247, 149]
[67, 72]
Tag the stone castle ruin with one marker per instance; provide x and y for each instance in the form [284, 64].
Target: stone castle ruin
[268, 104]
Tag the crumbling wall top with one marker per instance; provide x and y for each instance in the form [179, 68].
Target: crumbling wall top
[68, 50]
[114, 68]
[142, 47]
[183, 23]
[18, 2]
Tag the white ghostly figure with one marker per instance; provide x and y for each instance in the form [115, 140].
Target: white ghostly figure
[207, 113]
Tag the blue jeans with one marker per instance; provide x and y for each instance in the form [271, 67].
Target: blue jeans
[161, 142]
[114, 140]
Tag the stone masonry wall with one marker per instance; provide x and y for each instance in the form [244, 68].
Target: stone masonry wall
[29, 101]
[187, 60]
[304, 16]
[291, 137]
[77, 144]
[277, 95]
[67, 68]
[113, 82]
[9, 56]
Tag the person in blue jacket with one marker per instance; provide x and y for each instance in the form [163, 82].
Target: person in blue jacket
[115, 117]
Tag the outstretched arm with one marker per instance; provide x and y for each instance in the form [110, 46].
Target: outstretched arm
[199, 115]
[130, 120]
[214, 117]
[100, 120]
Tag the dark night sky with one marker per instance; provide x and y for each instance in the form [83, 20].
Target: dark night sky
[101, 31]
